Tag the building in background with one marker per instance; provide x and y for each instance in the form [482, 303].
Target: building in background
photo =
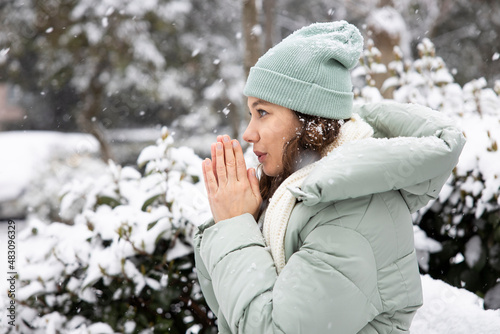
[9, 113]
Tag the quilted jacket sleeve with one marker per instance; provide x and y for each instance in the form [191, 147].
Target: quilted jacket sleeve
[415, 151]
[317, 291]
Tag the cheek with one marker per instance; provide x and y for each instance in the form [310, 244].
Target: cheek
[289, 132]
[284, 130]
[275, 138]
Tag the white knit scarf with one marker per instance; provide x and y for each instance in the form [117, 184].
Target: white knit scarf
[281, 204]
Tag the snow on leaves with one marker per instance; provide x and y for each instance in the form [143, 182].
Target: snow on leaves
[129, 230]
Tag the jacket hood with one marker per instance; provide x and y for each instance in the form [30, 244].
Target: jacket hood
[414, 150]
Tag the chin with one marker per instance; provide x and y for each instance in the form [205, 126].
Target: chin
[271, 172]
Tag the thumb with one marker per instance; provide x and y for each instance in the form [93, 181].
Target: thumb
[254, 182]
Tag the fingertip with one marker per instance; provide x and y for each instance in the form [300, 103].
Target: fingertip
[254, 181]
[237, 146]
[252, 174]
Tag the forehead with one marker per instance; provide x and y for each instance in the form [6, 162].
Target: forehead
[254, 102]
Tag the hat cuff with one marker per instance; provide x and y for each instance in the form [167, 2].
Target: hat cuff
[301, 96]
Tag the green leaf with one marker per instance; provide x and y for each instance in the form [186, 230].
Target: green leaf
[106, 200]
[151, 225]
[159, 237]
[149, 201]
[494, 219]
[496, 236]
[494, 257]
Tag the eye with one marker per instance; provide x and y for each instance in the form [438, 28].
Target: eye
[262, 112]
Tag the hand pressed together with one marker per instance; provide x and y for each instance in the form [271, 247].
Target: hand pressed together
[232, 189]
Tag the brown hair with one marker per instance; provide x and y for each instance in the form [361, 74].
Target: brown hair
[305, 148]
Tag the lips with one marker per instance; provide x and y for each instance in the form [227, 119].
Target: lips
[261, 156]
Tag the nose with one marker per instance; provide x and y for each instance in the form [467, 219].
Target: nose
[251, 135]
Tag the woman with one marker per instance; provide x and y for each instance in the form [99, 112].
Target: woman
[338, 186]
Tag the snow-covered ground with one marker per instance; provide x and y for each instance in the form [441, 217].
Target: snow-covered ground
[449, 310]
[24, 152]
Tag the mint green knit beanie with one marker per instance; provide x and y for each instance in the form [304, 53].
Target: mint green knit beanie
[309, 70]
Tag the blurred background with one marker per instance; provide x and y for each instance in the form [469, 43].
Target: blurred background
[119, 70]
[86, 82]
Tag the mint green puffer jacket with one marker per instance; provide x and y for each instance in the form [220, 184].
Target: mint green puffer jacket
[350, 258]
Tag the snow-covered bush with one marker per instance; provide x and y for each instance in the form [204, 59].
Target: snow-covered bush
[465, 220]
[42, 197]
[125, 264]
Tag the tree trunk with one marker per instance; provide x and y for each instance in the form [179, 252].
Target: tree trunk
[269, 7]
[88, 119]
[385, 3]
[88, 122]
[252, 42]
[252, 50]
[385, 41]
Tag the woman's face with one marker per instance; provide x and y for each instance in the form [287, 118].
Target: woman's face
[271, 126]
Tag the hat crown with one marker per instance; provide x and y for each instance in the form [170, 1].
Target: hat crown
[308, 71]
[339, 40]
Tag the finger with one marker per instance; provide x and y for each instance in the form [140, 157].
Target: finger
[254, 182]
[229, 158]
[241, 167]
[210, 180]
[219, 140]
[221, 166]
[212, 152]
[205, 176]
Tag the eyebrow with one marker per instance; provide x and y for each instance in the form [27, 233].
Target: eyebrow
[256, 103]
